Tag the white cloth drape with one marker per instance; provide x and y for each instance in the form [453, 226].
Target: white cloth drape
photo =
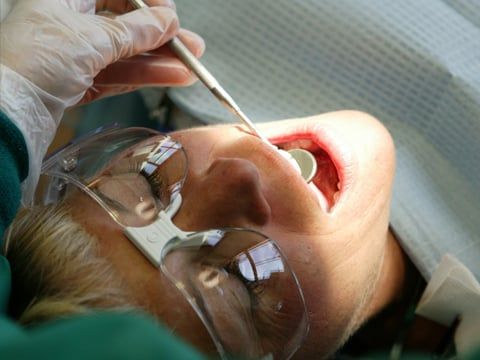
[415, 65]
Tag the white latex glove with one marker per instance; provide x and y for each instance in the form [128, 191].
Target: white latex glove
[57, 53]
[5, 6]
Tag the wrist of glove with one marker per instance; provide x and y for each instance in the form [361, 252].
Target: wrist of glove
[36, 114]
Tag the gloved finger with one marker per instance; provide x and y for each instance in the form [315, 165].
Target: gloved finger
[100, 92]
[124, 6]
[137, 32]
[122, 77]
[146, 70]
[159, 67]
[191, 40]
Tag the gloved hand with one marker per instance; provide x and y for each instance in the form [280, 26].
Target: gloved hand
[57, 53]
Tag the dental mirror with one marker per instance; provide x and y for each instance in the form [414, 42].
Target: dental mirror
[306, 161]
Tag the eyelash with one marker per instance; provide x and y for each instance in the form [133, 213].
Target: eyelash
[255, 288]
[132, 165]
[156, 183]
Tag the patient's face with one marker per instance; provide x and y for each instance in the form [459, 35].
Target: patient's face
[334, 241]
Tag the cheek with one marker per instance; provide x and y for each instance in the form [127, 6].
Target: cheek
[154, 293]
[330, 298]
[337, 278]
[167, 303]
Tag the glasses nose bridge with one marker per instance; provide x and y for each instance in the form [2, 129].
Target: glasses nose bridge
[152, 239]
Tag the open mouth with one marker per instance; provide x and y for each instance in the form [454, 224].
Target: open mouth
[335, 163]
[327, 179]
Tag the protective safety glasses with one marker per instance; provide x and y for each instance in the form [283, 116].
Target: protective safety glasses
[237, 280]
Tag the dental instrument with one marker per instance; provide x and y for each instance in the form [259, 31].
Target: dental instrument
[207, 78]
[307, 164]
[306, 161]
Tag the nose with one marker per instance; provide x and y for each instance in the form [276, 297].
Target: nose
[226, 194]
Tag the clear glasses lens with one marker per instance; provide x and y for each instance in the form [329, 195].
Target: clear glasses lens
[238, 281]
[242, 288]
[142, 181]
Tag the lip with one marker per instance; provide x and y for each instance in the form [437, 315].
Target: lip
[329, 141]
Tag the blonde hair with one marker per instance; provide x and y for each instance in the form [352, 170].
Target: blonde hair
[56, 269]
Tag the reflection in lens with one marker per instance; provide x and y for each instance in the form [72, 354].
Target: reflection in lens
[241, 286]
[227, 305]
[141, 182]
[260, 262]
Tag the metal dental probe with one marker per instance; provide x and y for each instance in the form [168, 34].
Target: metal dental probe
[207, 78]
[306, 164]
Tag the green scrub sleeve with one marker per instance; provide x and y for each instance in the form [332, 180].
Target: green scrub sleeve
[101, 335]
[14, 169]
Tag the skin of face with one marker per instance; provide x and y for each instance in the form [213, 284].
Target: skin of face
[340, 248]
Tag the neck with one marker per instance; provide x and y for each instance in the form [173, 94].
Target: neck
[397, 287]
